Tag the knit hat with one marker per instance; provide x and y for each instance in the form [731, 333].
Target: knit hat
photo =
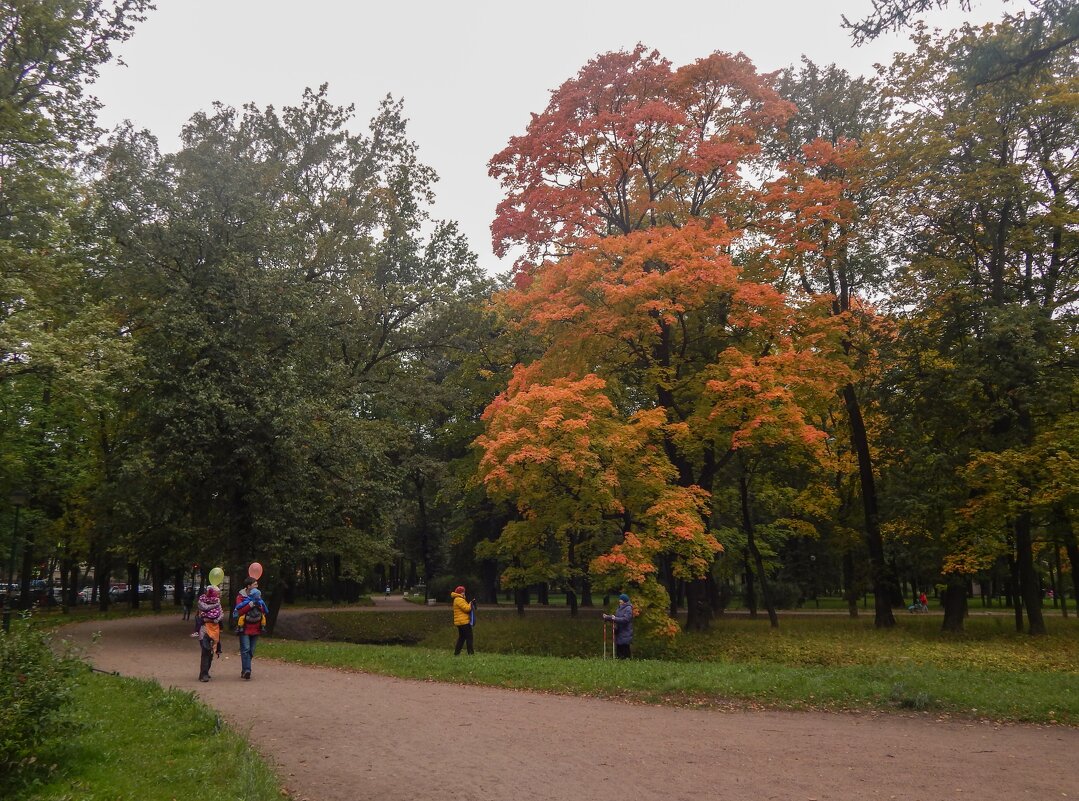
[212, 591]
[460, 590]
[623, 597]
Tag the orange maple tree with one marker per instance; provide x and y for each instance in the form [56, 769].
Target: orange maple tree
[629, 198]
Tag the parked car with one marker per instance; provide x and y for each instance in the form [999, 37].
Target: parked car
[118, 592]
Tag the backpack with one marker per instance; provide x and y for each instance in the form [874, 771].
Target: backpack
[252, 614]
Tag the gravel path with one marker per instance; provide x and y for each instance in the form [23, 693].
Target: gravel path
[345, 736]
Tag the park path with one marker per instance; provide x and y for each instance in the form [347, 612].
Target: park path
[337, 735]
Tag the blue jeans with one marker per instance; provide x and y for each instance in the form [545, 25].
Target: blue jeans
[247, 650]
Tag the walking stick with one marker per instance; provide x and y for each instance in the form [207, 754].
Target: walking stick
[604, 639]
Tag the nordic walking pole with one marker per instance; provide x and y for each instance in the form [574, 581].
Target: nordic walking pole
[604, 639]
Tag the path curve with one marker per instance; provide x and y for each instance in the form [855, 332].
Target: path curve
[336, 735]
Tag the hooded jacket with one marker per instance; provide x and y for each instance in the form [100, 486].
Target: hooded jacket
[623, 624]
[244, 604]
[461, 610]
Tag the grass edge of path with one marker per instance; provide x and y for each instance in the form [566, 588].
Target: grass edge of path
[1013, 697]
[116, 722]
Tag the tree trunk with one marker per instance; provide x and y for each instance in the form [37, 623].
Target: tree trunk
[73, 584]
[698, 610]
[586, 593]
[848, 583]
[541, 595]
[883, 582]
[277, 595]
[751, 543]
[1072, 549]
[1059, 591]
[955, 605]
[65, 577]
[133, 585]
[670, 583]
[25, 601]
[1013, 592]
[750, 588]
[489, 579]
[335, 579]
[571, 600]
[425, 537]
[101, 579]
[519, 598]
[712, 591]
[157, 582]
[1028, 580]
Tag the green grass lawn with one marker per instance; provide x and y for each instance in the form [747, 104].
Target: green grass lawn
[825, 662]
[130, 739]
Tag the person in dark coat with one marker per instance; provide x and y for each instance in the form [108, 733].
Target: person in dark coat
[189, 601]
[623, 627]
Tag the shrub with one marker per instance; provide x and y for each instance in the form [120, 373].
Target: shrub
[786, 595]
[35, 688]
[442, 586]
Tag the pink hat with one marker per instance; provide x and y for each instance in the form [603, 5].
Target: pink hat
[460, 590]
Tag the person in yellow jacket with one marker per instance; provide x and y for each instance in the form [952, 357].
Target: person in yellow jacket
[462, 619]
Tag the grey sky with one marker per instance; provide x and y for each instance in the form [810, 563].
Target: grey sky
[470, 72]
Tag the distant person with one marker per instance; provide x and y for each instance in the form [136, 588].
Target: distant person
[924, 602]
[387, 590]
[210, 614]
[462, 619]
[251, 611]
[623, 627]
[189, 601]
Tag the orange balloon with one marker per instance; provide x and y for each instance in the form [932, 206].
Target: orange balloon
[255, 571]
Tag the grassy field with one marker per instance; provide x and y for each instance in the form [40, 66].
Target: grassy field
[824, 662]
[130, 739]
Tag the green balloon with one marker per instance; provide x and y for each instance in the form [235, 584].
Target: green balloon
[217, 575]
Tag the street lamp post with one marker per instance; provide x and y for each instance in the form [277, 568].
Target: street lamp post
[18, 500]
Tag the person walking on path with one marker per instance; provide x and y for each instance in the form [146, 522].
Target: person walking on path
[189, 601]
[250, 610]
[623, 627]
[210, 615]
[462, 619]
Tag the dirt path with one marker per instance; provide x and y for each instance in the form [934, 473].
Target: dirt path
[342, 736]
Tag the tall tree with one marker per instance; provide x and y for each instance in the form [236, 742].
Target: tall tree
[826, 235]
[279, 284]
[61, 353]
[635, 186]
[982, 179]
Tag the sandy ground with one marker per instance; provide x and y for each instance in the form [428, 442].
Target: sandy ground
[344, 736]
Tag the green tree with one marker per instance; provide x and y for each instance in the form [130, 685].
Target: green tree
[278, 287]
[60, 350]
[981, 179]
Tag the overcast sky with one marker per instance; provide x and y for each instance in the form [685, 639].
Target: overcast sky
[470, 71]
